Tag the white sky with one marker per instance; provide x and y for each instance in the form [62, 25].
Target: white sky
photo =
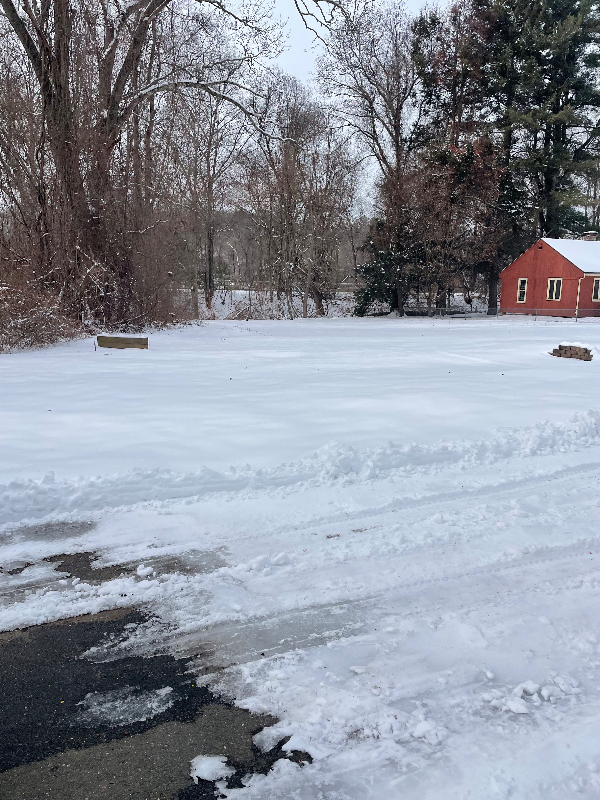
[299, 60]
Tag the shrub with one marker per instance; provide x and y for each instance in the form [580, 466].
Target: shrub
[30, 318]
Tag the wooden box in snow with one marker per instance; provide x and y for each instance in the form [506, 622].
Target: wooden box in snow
[124, 342]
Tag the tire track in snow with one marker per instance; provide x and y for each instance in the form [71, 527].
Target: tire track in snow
[512, 488]
[520, 485]
[228, 643]
[437, 553]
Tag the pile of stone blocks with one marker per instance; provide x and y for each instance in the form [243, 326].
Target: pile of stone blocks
[573, 351]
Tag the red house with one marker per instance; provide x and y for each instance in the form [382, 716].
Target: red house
[555, 277]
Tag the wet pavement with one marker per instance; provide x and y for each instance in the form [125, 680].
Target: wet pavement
[77, 727]
[81, 565]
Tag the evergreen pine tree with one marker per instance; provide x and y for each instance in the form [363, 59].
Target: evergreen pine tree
[544, 93]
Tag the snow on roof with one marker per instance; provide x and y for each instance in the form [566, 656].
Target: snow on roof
[584, 255]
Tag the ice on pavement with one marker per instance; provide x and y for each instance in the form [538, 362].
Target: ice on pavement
[417, 602]
[123, 706]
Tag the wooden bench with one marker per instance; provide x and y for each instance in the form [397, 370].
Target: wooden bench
[124, 342]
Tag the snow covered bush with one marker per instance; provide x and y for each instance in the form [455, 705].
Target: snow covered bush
[29, 318]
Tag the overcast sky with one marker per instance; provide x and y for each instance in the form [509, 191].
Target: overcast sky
[300, 58]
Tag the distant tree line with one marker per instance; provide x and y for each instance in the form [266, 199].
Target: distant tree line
[150, 153]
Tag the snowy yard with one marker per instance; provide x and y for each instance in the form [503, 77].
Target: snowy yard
[390, 531]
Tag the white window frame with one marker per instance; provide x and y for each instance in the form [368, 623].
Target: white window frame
[596, 291]
[524, 290]
[552, 295]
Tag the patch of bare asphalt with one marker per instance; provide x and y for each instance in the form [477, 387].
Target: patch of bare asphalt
[85, 564]
[75, 729]
[15, 567]
[80, 565]
[51, 531]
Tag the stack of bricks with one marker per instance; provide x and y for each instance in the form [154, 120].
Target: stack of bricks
[572, 351]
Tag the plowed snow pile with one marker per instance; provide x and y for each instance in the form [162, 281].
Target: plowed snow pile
[386, 533]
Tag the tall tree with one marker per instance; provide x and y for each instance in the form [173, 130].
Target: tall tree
[370, 75]
[458, 131]
[304, 173]
[97, 64]
[544, 81]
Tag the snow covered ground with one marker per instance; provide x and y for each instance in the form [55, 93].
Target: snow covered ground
[384, 532]
[263, 393]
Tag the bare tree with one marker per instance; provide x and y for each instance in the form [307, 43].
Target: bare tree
[97, 65]
[371, 76]
[217, 135]
[301, 187]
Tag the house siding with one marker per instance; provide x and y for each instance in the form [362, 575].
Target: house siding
[587, 307]
[538, 264]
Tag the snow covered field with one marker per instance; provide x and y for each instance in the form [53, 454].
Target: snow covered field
[385, 531]
[263, 393]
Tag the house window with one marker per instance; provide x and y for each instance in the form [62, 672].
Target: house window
[596, 292]
[522, 290]
[554, 288]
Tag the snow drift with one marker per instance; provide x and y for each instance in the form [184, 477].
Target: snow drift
[29, 501]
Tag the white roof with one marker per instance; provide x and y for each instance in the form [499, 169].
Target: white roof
[584, 255]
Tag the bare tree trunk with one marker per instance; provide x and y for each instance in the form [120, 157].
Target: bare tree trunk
[195, 291]
[305, 294]
[430, 301]
[492, 294]
[400, 296]
[318, 298]
[209, 288]
[440, 298]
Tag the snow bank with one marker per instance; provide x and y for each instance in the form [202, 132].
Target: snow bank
[28, 501]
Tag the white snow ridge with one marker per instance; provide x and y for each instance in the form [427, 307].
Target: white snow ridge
[32, 500]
